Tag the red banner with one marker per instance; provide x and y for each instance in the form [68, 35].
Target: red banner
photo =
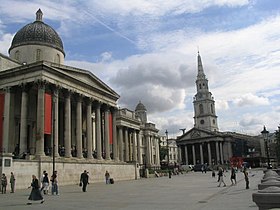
[48, 113]
[111, 128]
[2, 101]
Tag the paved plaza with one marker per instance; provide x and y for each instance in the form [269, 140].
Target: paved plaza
[194, 191]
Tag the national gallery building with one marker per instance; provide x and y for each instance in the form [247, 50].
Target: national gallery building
[48, 110]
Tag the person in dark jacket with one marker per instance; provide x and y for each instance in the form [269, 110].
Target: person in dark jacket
[84, 180]
[35, 194]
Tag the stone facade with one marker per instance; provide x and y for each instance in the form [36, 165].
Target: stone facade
[59, 115]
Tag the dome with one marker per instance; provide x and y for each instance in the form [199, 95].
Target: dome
[140, 107]
[37, 33]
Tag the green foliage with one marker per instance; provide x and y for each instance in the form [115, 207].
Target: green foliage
[162, 153]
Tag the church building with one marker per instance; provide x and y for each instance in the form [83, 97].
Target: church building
[204, 143]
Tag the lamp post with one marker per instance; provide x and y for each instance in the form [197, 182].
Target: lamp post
[167, 146]
[265, 137]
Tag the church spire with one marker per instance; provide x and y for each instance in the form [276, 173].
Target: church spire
[200, 73]
[39, 15]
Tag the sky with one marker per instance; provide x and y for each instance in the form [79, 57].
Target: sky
[146, 50]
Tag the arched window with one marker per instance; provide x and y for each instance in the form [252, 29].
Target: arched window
[57, 58]
[212, 110]
[38, 54]
[201, 111]
[17, 55]
[199, 86]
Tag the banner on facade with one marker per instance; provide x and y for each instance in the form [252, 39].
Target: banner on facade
[48, 114]
[2, 101]
[111, 128]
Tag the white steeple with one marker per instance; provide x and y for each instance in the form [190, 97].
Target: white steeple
[204, 104]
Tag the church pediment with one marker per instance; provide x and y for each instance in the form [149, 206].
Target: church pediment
[195, 133]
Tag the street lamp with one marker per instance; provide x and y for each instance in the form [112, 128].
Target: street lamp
[167, 146]
[265, 137]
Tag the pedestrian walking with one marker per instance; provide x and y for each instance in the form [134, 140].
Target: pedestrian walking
[3, 183]
[213, 174]
[35, 194]
[246, 176]
[12, 182]
[233, 176]
[84, 180]
[107, 177]
[45, 185]
[221, 177]
[41, 180]
[54, 181]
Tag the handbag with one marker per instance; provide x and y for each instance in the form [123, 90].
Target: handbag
[80, 184]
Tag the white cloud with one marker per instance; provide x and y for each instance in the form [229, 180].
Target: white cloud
[5, 43]
[251, 100]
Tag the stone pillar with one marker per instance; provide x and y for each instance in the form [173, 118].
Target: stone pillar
[98, 131]
[55, 121]
[209, 154]
[139, 154]
[152, 149]
[126, 144]
[186, 155]
[67, 129]
[221, 152]
[107, 134]
[89, 130]
[115, 140]
[120, 140]
[6, 123]
[79, 128]
[148, 150]
[23, 122]
[217, 152]
[193, 151]
[157, 151]
[134, 151]
[201, 154]
[40, 120]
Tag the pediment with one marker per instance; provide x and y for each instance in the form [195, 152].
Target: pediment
[85, 77]
[196, 133]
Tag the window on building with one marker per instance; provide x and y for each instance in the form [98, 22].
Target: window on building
[38, 54]
[201, 111]
[212, 110]
[17, 55]
[57, 58]
[199, 86]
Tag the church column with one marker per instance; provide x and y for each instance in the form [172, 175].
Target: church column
[139, 148]
[221, 152]
[79, 128]
[40, 120]
[106, 134]
[186, 155]
[126, 146]
[201, 154]
[67, 130]
[98, 130]
[23, 121]
[6, 123]
[120, 140]
[55, 121]
[217, 152]
[193, 151]
[229, 150]
[115, 140]
[89, 130]
[209, 154]
[157, 151]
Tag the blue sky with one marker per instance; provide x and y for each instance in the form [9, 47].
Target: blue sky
[147, 50]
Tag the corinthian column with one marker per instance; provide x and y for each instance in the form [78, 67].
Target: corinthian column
[217, 152]
[40, 120]
[139, 154]
[126, 144]
[55, 121]
[98, 130]
[23, 121]
[89, 131]
[67, 131]
[6, 123]
[201, 154]
[107, 134]
[193, 151]
[115, 141]
[209, 154]
[120, 140]
[79, 128]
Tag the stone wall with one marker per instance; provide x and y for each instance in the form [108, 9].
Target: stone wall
[69, 172]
